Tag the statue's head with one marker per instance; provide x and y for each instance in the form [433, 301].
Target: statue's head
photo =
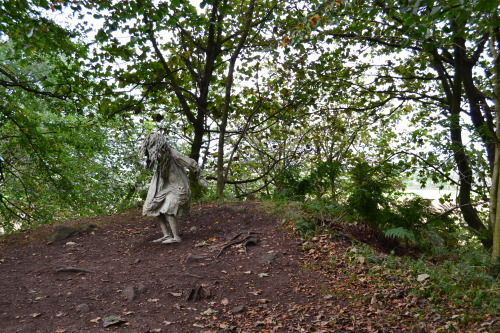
[151, 148]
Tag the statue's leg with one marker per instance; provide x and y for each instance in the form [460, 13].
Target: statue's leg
[172, 221]
[163, 226]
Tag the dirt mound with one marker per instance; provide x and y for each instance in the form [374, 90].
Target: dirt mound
[235, 269]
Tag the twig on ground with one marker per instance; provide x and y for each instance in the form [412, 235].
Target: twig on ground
[73, 270]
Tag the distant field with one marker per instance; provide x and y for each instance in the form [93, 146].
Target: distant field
[430, 193]
[433, 193]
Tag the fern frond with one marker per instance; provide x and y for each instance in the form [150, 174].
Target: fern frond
[400, 233]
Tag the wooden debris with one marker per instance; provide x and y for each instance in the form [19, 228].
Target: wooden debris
[197, 293]
[248, 238]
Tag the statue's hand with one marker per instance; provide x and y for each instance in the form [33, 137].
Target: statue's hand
[202, 181]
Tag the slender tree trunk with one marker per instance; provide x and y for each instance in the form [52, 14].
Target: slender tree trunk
[495, 196]
[465, 173]
[221, 175]
[495, 201]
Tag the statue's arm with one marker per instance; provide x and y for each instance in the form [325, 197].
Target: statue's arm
[190, 164]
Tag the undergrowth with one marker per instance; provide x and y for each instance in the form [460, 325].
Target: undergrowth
[457, 282]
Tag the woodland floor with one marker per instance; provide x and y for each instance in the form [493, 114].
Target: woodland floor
[112, 278]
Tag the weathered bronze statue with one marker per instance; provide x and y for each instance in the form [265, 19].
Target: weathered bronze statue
[169, 194]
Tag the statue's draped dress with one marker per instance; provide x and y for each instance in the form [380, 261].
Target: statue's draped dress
[169, 192]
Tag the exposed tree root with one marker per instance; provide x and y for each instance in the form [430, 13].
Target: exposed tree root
[248, 239]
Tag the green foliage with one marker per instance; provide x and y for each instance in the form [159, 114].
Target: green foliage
[55, 168]
[321, 181]
[324, 180]
[464, 279]
[400, 233]
[375, 199]
[306, 227]
[291, 185]
[368, 197]
[416, 220]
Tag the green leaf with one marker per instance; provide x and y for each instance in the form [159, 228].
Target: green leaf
[435, 10]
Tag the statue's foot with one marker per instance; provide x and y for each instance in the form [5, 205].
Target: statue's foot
[172, 240]
[164, 238]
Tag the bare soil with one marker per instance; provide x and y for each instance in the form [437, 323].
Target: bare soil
[114, 275]
[236, 270]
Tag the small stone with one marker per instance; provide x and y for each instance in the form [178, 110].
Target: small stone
[238, 309]
[193, 259]
[62, 232]
[83, 308]
[129, 293]
[141, 288]
[90, 228]
[267, 258]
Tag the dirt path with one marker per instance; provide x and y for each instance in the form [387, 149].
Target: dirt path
[116, 274]
[112, 278]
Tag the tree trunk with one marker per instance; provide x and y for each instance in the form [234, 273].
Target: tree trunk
[221, 175]
[466, 178]
[495, 196]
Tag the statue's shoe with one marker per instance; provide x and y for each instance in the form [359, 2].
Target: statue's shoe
[161, 240]
[171, 240]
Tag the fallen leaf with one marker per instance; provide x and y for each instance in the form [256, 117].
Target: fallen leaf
[112, 320]
[200, 244]
[263, 275]
[153, 300]
[95, 320]
[225, 302]
[422, 277]
[34, 315]
[209, 312]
